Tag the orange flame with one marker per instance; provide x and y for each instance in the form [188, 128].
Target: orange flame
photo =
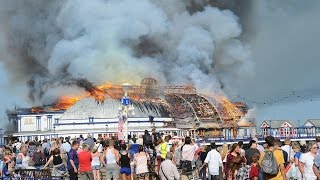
[65, 102]
[229, 110]
[99, 93]
[37, 110]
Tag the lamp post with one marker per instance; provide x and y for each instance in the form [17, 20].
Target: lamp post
[125, 109]
[54, 131]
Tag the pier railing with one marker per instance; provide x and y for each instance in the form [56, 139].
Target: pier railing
[221, 140]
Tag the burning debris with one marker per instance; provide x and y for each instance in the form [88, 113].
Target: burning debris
[183, 102]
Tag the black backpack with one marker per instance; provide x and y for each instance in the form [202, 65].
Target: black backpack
[147, 139]
[46, 152]
[14, 149]
[38, 158]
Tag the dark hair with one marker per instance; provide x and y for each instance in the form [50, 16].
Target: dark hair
[74, 143]
[175, 133]
[123, 147]
[255, 158]
[233, 147]
[318, 138]
[140, 148]
[213, 145]
[235, 164]
[240, 143]
[105, 144]
[187, 140]
[56, 151]
[270, 141]
[277, 142]
[252, 142]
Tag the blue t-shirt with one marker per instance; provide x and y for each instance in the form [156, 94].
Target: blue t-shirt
[135, 148]
[316, 161]
[73, 155]
[298, 155]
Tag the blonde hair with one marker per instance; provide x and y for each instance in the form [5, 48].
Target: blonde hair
[203, 148]
[310, 144]
[296, 146]
[224, 150]
[94, 149]
[287, 141]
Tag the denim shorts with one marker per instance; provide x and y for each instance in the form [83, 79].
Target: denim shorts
[112, 171]
[96, 167]
[125, 170]
[1, 164]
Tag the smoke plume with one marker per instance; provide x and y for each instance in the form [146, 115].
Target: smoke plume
[50, 45]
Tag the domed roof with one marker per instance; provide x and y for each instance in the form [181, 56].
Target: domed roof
[88, 107]
[149, 81]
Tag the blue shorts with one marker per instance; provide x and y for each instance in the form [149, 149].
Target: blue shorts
[125, 170]
[96, 167]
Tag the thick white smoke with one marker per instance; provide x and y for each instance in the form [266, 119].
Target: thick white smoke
[47, 43]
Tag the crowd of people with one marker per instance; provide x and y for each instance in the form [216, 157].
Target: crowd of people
[171, 157]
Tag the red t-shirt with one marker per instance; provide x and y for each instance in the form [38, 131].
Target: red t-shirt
[84, 161]
[254, 172]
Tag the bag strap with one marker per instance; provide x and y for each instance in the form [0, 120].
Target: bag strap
[163, 173]
[289, 155]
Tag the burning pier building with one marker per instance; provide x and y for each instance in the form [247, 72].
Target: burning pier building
[167, 108]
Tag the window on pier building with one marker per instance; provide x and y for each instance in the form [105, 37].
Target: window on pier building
[265, 131]
[91, 120]
[38, 123]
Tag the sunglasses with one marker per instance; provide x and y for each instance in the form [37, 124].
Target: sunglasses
[315, 147]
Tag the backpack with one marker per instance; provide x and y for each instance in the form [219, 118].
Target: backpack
[186, 165]
[148, 139]
[269, 164]
[243, 173]
[14, 149]
[38, 158]
[46, 152]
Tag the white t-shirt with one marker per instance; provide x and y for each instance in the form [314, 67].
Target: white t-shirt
[214, 161]
[307, 159]
[140, 141]
[66, 147]
[17, 145]
[100, 148]
[188, 151]
[289, 150]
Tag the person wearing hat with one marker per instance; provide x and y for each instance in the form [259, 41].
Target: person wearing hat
[303, 145]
